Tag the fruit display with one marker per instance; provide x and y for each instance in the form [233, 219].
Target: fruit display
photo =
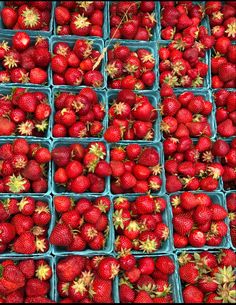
[141, 224]
[26, 280]
[199, 219]
[76, 62]
[82, 223]
[82, 279]
[146, 279]
[132, 20]
[80, 168]
[226, 152]
[131, 67]
[117, 151]
[132, 117]
[181, 64]
[183, 21]
[231, 205]
[135, 169]
[191, 164]
[81, 18]
[187, 114]
[25, 112]
[27, 15]
[225, 115]
[24, 225]
[208, 277]
[223, 64]
[79, 114]
[222, 20]
[24, 166]
[24, 59]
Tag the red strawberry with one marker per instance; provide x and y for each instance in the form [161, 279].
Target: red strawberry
[25, 243]
[61, 235]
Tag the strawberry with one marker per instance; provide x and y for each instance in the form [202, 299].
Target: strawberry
[183, 224]
[189, 273]
[192, 294]
[165, 265]
[25, 243]
[35, 287]
[61, 235]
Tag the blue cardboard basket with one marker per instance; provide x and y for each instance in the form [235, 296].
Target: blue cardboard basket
[43, 143]
[45, 198]
[102, 97]
[154, 30]
[159, 9]
[213, 92]
[134, 46]
[226, 195]
[217, 197]
[60, 190]
[30, 32]
[154, 99]
[48, 258]
[98, 44]
[177, 265]
[62, 256]
[8, 38]
[159, 147]
[109, 242]
[7, 91]
[166, 246]
[104, 27]
[208, 96]
[206, 83]
[174, 279]
[220, 182]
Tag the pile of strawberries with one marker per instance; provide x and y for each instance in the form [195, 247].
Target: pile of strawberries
[222, 22]
[182, 66]
[187, 114]
[226, 152]
[81, 18]
[231, 205]
[77, 65]
[130, 69]
[25, 113]
[84, 279]
[182, 20]
[81, 168]
[132, 20]
[191, 165]
[198, 220]
[24, 225]
[223, 64]
[82, 224]
[27, 15]
[135, 169]
[139, 224]
[208, 277]
[131, 117]
[79, 114]
[225, 102]
[23, 167]
[25, 281]
[24, 61]
[146, 279]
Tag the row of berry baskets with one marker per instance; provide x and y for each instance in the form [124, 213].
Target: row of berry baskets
[51, 78]
[106, 99]
[54, 28]
[55, 187]
[53, 271]
[113, 231]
